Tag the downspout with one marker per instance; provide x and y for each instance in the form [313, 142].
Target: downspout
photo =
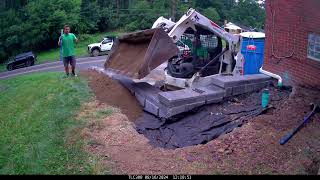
[280, 81]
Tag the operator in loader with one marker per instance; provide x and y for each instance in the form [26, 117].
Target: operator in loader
[67, 41]
[196, 45]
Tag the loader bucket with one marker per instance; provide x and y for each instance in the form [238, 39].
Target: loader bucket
[135, 55]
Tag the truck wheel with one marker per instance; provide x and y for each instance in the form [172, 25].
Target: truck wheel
[95, 52]
[10, 67]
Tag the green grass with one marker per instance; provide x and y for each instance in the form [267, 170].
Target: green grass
[81, 47]
[2, 67]
[103, 112]
[38, 127]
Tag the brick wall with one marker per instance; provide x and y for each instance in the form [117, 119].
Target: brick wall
[293, 21]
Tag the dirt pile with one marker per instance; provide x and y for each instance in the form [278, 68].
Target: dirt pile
[128, 58]
[292, 112]
[114, 94]
[136, 54]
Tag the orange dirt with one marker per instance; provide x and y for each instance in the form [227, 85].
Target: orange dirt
[114, 94]
[251, 149]
[135, 55]
[129, 57]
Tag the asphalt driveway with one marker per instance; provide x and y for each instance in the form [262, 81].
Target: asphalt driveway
[82, 64]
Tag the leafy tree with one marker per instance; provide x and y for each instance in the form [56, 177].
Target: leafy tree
[35, 24]
[249, 13]
[220, 6]
[140, 15]
[212, 14]
[45, 19]
[89, 16]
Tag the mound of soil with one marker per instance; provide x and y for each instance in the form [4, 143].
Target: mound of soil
[128, 57]
[114, 94]
[136, 54]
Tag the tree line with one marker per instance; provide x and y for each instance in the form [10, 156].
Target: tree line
[35, 24]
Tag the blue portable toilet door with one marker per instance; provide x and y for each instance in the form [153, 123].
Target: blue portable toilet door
[253, 52]
[252, 58]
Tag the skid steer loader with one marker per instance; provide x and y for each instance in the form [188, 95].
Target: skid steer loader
[190, 73]
[136, 54]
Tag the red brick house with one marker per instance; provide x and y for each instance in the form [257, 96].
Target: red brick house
[293, 41]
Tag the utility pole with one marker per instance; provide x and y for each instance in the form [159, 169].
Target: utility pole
[118, 8]
[173, 10]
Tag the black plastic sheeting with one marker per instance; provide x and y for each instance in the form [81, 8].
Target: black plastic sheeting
[204, 125]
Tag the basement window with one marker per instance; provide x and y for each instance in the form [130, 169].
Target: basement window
[314, 47]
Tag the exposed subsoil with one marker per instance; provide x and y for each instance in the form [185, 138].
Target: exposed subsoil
[251, 149]
[114, 94]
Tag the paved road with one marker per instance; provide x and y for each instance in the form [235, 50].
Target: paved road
[82, 64]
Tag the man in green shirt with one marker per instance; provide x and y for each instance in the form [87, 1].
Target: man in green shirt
[67, 41]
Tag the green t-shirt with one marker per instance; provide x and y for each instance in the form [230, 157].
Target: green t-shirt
[68, 42]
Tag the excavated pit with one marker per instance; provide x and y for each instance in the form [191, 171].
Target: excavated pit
[198, 126]
[207, 122]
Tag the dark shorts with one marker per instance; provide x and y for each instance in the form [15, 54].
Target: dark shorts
[69, 60]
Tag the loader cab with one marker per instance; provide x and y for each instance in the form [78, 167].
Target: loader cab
[204, 46]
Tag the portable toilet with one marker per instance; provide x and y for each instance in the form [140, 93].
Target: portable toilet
[252, 49]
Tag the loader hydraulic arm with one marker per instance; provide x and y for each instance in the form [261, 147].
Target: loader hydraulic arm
[192, 19]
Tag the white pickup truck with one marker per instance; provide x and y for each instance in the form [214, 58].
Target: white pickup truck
[103, 47]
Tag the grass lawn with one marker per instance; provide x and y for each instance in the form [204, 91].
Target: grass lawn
[81, 48]
[2, 67]
[38, 127]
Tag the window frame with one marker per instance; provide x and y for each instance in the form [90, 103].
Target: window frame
[315, 44]
[106, 41]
